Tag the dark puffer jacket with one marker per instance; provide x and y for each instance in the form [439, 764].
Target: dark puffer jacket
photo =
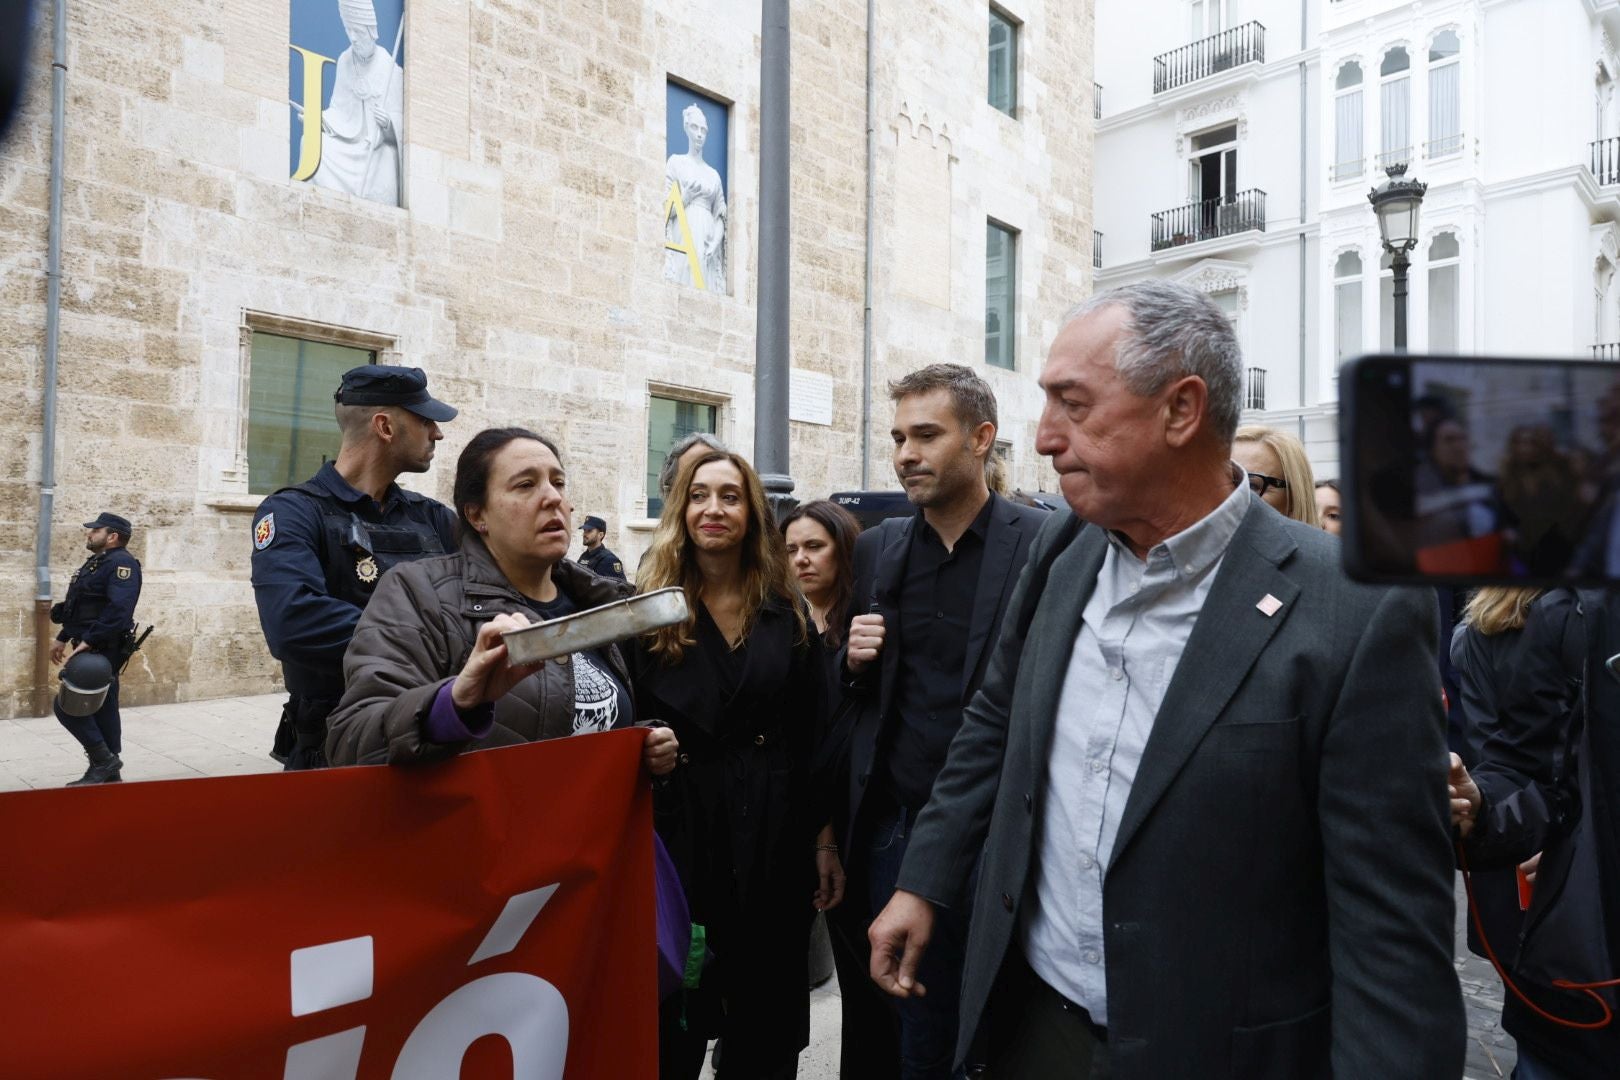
[416, 635]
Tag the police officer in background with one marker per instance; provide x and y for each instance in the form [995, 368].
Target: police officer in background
[99, 616]
[320, 547]
[596, 557]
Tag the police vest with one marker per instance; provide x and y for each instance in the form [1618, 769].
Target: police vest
[355, 553]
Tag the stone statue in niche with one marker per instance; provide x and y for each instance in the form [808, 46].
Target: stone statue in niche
[694, 212]
[361, 128]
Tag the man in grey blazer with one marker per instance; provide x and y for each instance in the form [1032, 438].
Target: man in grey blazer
[1205, 770]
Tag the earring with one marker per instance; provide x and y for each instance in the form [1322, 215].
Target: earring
[483, 528]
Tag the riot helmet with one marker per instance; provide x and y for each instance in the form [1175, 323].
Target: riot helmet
[86, 678]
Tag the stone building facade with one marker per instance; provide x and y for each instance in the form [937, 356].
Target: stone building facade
[524, 272]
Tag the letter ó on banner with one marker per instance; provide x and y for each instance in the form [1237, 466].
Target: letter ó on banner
[525, 1010]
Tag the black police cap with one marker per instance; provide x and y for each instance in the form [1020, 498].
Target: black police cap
[595, 523]
[384, 384]
[110, 521]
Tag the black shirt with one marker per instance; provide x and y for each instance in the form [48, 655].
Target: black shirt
[601, 701]
[936, 613]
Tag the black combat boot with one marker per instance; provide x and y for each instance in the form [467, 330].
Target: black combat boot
[104, 767]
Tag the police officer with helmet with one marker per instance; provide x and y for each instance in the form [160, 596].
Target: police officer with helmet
[320, 547]
[97, 637]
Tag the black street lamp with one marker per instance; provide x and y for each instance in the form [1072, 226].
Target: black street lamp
[1396, 203]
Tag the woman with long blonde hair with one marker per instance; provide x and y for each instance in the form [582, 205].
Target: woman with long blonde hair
[743, 684]
[1279, 471]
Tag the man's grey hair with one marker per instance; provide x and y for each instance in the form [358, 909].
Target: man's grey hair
[971, 397]
[1174, 331]
[672, 460]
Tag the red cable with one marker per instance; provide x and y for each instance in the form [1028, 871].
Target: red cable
[1589, 989]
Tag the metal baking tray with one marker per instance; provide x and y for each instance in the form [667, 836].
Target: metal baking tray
[597, 627]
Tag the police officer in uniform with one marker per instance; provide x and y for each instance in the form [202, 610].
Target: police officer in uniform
[99, 616]
[320, 547]
[596, 557]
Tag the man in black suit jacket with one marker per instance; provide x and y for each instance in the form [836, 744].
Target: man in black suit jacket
[1205, 770]
[932, 589]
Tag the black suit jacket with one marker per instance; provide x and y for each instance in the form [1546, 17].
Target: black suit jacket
[880, 568]
[1278, 904]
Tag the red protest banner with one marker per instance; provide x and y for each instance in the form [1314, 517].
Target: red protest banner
[490, 917]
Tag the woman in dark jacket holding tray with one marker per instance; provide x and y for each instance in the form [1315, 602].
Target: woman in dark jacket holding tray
[427, 676]
[743, 685]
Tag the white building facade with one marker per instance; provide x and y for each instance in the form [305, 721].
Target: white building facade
[1240, 138]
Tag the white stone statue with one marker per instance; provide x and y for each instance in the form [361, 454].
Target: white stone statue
[360, 129]
[704, 203]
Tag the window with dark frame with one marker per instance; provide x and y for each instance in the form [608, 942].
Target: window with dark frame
[292, 429]
[1000, 284]
[669, 420]
[1003, 63]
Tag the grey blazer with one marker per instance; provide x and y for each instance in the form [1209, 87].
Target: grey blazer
[1279, 900]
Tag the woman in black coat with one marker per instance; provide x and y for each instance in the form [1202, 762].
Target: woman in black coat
[1520, 657]
[743, 685]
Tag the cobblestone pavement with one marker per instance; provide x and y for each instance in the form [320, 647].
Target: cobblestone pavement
[227, 736]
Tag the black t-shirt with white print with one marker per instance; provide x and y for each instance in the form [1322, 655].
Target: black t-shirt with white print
[601, 701]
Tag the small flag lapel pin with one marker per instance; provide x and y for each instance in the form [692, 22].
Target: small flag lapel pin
[1269, 605]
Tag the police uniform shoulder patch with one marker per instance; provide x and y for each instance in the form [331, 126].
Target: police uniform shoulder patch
[264, 532]
[618, 567]
[366, 570]
[123, 573]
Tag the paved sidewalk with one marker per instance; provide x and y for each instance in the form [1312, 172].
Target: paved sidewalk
[225, 736]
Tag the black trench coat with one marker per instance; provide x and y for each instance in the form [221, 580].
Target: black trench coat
[739, 817]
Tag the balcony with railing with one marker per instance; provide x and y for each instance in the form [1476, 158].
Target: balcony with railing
[1443, 147]
[1347, 170]
[1608, 351]
[1210, 219]
[1605, 161]
[1217, 53]
[1254, 392]
[1096, 250]
[1401, 155]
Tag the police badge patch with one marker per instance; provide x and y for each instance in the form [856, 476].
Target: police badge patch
[366, 570]
[123, 573]
[264, 532]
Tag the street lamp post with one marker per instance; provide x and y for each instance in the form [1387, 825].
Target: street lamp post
[1396, 202]
[772, 357]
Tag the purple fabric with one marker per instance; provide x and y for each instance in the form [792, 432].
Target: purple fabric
[674, 921]
[448, 724]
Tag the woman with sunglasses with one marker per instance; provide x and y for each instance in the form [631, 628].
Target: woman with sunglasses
[1279, 471]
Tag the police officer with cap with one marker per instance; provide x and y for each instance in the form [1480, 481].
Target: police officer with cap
[320, 547]
[98, 616]
[596, 557]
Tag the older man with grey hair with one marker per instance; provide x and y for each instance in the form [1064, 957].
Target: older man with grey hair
[1205, 770]
[696, 444]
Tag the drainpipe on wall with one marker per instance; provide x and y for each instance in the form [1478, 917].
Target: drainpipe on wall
[1304, 157]
[53, 311]
[871, 202]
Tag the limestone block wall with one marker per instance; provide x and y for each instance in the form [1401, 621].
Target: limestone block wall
[524, 272]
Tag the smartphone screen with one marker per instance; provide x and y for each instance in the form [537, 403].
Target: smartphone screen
[1468, 470]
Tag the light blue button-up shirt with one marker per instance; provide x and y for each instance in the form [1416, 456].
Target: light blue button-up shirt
[1131, 637]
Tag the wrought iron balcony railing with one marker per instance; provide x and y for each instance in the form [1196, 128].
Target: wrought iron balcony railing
[1096, 250]
[1214, 54]
[1606, 161]
[1254, 394]
[1209, 219]
[1608, 351]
